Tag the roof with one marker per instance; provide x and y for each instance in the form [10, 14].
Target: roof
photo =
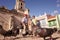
[50, 17]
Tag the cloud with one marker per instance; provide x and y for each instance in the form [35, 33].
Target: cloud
[58, 5]
[56, 11]
[58, 1]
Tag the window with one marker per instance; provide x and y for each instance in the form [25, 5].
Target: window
[43, 22]
[21, 3]
[21, 7]
[52, 23]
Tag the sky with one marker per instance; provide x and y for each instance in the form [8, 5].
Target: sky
[36, 7]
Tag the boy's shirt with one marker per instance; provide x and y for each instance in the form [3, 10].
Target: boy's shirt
[34, 21]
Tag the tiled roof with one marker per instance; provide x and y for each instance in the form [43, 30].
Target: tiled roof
[50, 16]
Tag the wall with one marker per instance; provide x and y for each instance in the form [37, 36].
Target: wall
[58, 21]
[43, 21]
[52, 23]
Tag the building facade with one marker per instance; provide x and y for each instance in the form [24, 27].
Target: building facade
[12, 18]
[43, 21]
[52, 22]
[58, 21]
[49, 21]
[20, 7]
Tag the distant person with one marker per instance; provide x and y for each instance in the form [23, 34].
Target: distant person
[25, 22]
[29, 24]
[25, 19]
[34, 22]
[38, 24]
[38, 27]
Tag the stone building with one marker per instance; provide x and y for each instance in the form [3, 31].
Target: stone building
[20, 6]
[11, 18]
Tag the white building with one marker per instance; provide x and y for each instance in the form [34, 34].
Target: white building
[43, 21]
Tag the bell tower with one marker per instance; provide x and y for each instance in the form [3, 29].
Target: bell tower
[20, 5]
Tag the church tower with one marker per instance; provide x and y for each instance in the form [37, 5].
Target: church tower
[20, 5]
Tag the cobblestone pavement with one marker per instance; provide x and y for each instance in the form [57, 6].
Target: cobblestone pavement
[55, 37]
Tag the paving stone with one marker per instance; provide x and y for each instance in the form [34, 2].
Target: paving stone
[55, 36]
[1, 37]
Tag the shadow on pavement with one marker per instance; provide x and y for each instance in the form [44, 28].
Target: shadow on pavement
[53, 38]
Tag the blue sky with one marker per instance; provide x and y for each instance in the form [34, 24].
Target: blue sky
[37, 7]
